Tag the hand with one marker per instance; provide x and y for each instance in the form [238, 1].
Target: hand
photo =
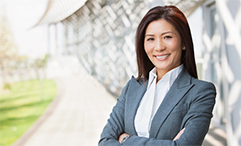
[179, 134]
[122, 136]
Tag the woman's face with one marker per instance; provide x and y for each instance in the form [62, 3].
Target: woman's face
[163, 46]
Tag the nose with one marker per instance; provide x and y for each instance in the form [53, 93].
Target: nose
[159, 45]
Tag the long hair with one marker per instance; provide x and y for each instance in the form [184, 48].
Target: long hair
[175, 17]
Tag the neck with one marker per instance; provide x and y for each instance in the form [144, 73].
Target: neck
[160, 75]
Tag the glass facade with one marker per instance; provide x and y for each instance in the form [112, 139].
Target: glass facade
[102, 35]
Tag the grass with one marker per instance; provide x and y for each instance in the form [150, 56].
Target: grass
[22, 106]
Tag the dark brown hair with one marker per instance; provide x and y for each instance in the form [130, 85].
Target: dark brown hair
[175, 17]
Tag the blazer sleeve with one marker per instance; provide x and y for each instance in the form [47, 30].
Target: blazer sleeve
[115, 124]
[196, 121]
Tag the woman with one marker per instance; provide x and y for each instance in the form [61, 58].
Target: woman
[166, 104]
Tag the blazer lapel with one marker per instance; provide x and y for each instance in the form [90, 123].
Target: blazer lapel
[180, 86]
[137, 91]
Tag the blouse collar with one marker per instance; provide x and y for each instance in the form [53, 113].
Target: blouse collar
[169, 77]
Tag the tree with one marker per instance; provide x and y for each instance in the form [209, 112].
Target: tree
[39, 65]
[7, 47]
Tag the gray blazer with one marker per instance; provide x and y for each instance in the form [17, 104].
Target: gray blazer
[189, 103]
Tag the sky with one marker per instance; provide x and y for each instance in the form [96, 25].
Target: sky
[22, 16]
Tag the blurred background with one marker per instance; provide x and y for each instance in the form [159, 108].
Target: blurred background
[81, 53]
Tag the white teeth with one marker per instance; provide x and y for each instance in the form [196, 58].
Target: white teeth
[161, 57]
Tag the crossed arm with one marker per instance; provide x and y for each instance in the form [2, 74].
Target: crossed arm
[176, 137]
[196, 123]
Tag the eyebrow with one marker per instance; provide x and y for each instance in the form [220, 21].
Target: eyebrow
[161, 34]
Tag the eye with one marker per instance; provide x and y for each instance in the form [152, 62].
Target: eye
[167, 37]
[150, 39]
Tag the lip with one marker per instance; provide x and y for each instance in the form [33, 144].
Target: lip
[162, 57]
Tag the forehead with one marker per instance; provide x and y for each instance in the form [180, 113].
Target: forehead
[160, 26]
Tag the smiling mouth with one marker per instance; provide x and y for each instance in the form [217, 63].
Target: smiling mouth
[162, 57]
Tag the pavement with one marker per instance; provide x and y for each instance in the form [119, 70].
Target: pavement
[78, 114]
[75, 118]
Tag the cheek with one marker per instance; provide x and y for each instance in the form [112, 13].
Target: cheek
[148, 47]
[175, 46]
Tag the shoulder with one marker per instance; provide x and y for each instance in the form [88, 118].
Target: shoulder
[133, 82]
[185, 79]
[198, 87]
[203, 90]
[133, 85]
[203, 84]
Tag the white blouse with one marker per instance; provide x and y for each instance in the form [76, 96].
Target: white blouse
[153, 98]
